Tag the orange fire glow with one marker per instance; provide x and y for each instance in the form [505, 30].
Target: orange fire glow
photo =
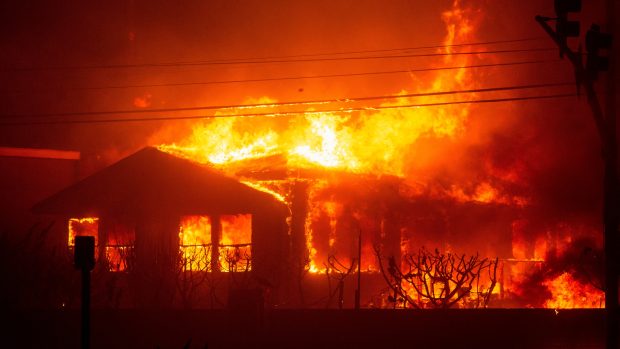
[569, 293]
[118, 245]
[86, 226]
[195, 242]
[371, 143]
[235, 245]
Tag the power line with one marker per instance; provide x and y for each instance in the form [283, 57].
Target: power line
[383, 50]
[280, 104]
[495, 42]
[291, 113]
[201, 63]
[401, 71]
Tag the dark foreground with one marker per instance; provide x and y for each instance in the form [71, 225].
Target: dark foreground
[494, 328]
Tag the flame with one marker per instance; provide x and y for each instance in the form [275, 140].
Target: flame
[118, 244]
[568, 293]
[236, 249]
[371, 141]
[119, 247]
[320, 143]
[195, 230]
[117, 258]
[485, 193]
[366, 142]
[261, 187]
[233, 246]
[321, 232]
[86, 226]
[195, 238]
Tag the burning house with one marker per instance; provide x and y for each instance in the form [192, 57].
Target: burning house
[174, 225]
[304, 194]
[152, 210]
[159, 215]
[306, 174]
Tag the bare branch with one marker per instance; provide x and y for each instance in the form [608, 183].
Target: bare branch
[440, 280]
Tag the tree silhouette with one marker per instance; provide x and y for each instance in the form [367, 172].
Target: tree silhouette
[436, 280]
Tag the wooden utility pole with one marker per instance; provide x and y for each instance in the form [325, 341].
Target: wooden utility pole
[606, 127]
[612, 208]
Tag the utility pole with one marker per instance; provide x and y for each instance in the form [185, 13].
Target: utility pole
[606, 127]
[612, 207]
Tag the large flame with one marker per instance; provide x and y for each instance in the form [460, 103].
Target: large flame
[570, 293]
[371, 141]
[375, 142]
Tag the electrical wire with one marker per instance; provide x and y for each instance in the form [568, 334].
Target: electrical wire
[385, 50]
[323, 59]
[291, 113]
[302, 77]
[280, 104]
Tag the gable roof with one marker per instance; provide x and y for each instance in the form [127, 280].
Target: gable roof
[152, 182]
